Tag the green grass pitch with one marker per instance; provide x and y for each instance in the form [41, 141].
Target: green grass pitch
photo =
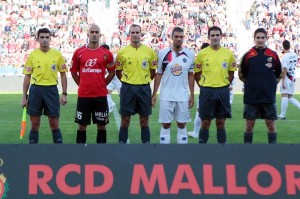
[11, 115]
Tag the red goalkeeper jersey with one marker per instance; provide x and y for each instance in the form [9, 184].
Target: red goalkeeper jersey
[91, 64]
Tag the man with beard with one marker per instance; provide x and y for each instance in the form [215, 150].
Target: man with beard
[89, 65]
[175, 72]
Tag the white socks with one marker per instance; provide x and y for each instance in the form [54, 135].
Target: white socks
[182, 137]
[295, 102]
[197, 123]
[165, 137]
[284, 105]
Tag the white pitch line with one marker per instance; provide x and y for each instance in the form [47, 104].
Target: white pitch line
[117, 117]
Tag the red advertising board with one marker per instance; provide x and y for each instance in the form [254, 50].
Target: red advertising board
[149, 171]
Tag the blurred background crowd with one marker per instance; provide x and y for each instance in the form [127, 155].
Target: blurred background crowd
[68, 21]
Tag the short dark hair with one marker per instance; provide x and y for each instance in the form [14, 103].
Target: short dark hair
[105, 46]
[214, 28]
[135, 25]
[286, 45]
[176, 29]
[43, 30]
[204, 45]
[260, 30]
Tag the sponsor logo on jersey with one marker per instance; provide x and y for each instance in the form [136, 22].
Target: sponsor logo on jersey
[176, 70]
[91, 70]
[91, 62]
[269, 65]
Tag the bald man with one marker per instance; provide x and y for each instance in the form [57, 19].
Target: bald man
[89, 64]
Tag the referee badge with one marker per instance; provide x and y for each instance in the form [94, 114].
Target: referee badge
[144, 64]
[53, 67]
[224, 65]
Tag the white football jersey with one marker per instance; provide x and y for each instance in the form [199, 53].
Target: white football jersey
[174, 68]
[289, 61]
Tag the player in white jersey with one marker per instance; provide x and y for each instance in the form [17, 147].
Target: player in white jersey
[287, 88]
[115, 84]
[175, 73]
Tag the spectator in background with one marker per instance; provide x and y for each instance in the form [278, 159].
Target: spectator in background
[43, 93]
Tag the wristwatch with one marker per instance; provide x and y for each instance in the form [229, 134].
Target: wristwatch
[64, 93]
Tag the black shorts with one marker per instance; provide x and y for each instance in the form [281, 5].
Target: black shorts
[43, 100]
[96, 107]
[214, 103]
[135, 99]
[260, 111]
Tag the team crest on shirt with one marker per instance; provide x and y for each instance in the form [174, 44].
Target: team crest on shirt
[269, 59]
[154, 63]
[144, 64]
[176, 69]
[105, 57]
[53, 67]
[184, 60]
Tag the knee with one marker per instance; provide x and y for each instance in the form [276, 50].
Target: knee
[144, 122]
[249, 126]
[82, 127]
[166, 125]
[270, 125]
[125, 122]
[54, 123]
[181, 125]
[205, 124]
[220, 124]
[35, 124]
[101, 127]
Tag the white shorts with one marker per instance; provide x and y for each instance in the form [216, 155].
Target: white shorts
[289, 87]
[115, 84]
[174, 110]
